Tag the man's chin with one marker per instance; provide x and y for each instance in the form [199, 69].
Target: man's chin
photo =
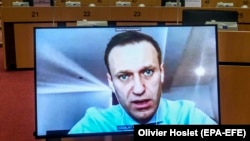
[143, 118]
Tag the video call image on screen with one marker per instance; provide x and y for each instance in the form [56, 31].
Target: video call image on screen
[71, 77]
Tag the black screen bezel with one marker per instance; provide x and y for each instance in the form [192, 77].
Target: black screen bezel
[63, 133]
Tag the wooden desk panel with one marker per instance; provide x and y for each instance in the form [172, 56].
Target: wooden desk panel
[136, 14]
[24, 47]
[88, 13]
[229, 51]
[8, 2]
[167, 14]
[30, 14]
[1, 13]
[244, 15]
[234, 46]
[244, 27]
[235, 94]
[172, 14]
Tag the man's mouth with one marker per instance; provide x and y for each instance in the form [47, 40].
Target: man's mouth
[141, 104]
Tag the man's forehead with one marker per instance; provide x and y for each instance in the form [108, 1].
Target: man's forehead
[132, 57]
[133, 47]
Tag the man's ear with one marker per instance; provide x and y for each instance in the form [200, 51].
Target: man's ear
[111, 85]
[162, 72]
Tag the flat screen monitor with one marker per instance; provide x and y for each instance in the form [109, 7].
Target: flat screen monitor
[76, 94]
[200, 17]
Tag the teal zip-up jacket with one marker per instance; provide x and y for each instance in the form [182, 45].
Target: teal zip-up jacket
[115, 119]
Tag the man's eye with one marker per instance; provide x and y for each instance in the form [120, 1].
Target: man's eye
[148, 72]
[123, 77]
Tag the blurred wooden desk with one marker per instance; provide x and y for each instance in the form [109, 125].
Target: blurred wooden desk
[20, 21]
[234, 75]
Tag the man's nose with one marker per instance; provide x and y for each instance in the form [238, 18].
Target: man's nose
[139, 86]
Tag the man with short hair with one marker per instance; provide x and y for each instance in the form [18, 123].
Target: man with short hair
[136, 74]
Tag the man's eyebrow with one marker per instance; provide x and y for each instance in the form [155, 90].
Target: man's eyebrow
[122, 72]
[148, 67]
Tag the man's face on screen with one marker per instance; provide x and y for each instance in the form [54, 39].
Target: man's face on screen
[136, 78]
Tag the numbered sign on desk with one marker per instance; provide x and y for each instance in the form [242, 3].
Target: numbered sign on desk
[135, 14]
[30, 14]
[88, 13]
